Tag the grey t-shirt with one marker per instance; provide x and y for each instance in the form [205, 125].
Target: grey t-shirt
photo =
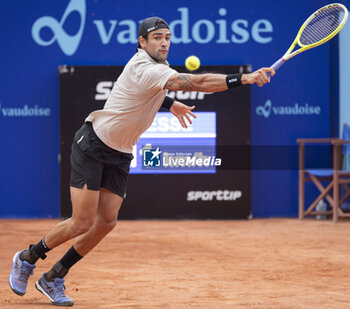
[133, 103]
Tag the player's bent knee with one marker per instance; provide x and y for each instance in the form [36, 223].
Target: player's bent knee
[106, 226]
[111, 225]
[81, 226]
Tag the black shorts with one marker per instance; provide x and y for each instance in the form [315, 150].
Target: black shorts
[95, 164]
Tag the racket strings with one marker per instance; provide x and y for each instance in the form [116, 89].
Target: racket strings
[322, 25]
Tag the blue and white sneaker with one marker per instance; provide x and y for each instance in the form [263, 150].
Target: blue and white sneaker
[20, 272]
[54, 290]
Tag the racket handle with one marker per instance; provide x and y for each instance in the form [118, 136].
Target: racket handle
[277, 65]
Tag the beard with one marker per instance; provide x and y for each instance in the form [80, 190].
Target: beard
[161, 56]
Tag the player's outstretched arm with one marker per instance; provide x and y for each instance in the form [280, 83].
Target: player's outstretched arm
[216, 82]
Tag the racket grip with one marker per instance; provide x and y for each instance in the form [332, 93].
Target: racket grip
[277, 65]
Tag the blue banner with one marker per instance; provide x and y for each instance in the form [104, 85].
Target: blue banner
[37, 36]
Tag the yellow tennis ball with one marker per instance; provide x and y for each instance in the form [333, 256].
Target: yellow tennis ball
[192, 63]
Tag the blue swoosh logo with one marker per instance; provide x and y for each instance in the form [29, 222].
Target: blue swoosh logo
[68, 43]
[264, 110]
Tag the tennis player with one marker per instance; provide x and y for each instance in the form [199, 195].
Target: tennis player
[102, 153]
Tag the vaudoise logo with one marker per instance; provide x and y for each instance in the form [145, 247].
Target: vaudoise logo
[68, 43]
[218, 28]
[296, 109]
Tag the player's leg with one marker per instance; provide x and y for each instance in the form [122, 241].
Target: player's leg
[86, 174]
[85, 204]
[106, 219]
[51, 284]
[114, 176]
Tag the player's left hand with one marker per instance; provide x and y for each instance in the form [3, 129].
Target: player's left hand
[182, 112]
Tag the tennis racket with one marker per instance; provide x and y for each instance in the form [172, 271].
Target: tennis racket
[319, 28]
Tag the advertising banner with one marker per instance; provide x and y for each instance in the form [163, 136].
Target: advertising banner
[176, 172]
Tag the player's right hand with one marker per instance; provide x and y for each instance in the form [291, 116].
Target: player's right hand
[259, 77]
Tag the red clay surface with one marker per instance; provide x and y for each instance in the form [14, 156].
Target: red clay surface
[274, 263]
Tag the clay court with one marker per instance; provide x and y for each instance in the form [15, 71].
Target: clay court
[271, 263]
